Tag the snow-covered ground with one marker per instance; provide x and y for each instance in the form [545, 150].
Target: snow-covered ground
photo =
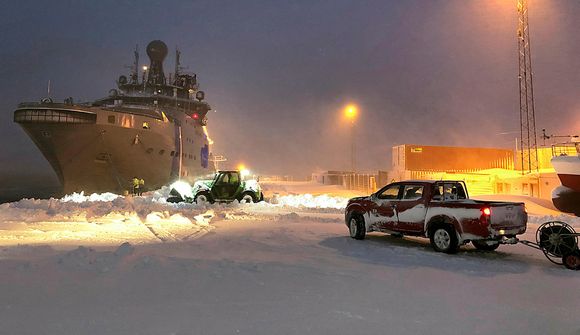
[285, 267]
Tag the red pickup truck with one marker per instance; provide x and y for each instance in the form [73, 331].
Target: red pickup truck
[440, 210]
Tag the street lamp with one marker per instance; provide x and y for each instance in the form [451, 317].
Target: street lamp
[144, 75]
[350, 112]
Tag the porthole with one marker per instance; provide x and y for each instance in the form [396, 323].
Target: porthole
[150, 150]
[161, 152]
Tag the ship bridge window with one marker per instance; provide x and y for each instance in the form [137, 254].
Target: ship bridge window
[145, 125]
[53, 116]
[111, 118]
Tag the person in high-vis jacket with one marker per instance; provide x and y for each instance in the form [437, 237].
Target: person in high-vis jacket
[141, 186]
[135, 186]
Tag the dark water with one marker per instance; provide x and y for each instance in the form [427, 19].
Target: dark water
[10, 195]
[14, 188]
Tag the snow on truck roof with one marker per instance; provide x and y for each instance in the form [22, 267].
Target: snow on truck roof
[429, 181]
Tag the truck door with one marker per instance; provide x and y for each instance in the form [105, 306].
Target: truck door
[226, 186]
[384, 215]
[219, 188]
[233, 185]
[412, 208]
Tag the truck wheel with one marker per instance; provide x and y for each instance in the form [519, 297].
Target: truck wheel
[356, 227]
[203, 198]
[482, 245]
[572, 260]
[444, 239]
[174, 199]
[247, 198]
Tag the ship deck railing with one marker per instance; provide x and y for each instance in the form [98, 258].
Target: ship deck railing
[565, 149]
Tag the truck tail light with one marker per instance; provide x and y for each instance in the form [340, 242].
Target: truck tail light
[485, 214]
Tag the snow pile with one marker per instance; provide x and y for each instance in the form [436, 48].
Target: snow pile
[295, 217]
[310, 201]
[101, 219]
[80, 197]
[574, 221]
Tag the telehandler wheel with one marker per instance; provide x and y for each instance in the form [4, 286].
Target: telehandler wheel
[247, 198]
[203, 198]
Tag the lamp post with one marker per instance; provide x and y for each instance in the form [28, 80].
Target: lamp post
[350, 112]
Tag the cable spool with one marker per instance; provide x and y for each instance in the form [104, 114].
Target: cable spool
[556, 239]
[113, 92]
[46, 100]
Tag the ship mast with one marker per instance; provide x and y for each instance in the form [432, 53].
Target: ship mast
[135, 74]
[177, 65]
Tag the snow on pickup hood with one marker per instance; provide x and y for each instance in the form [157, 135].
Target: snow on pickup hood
[358, 198]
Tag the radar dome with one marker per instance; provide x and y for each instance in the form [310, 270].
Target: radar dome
[157, 50]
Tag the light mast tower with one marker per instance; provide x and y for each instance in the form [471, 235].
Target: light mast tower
[529, 148]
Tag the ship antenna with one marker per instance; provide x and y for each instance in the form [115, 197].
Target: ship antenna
[135, 75]
[177, 65]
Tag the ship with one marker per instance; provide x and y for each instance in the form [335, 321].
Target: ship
[566, 162]
[153, 128]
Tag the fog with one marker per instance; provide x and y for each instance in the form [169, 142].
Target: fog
[279, 73]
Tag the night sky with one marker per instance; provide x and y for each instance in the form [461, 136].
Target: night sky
[278, 72]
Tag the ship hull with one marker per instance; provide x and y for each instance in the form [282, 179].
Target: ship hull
[567, 197]
[104, 156]
[568, 170]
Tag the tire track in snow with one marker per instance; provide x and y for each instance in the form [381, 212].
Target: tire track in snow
[165, 229]
[163, 237]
